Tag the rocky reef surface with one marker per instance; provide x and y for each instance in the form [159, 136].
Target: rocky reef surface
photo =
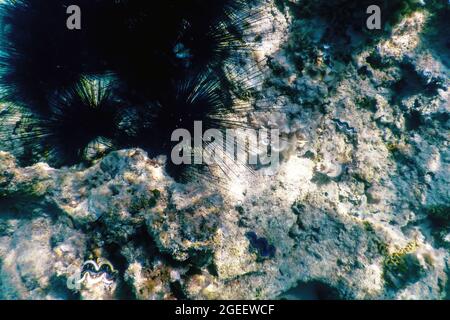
[358, 208]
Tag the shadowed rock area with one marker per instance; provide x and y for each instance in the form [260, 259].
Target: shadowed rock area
[357, 209]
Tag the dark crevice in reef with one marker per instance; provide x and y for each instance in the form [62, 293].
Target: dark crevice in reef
[311, 290]
[411, 83]
[447, 285]
[413, 120]
[27, 207]
[124, 290]
[177, 291]
[438, 217]
[442, 117]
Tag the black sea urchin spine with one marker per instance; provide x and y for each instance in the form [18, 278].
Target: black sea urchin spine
[77, 119]
[38, 54]
[71, 112]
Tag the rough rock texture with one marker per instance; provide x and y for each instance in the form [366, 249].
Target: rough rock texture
[358, 209]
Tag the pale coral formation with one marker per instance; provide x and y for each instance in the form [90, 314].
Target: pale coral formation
[358, 207]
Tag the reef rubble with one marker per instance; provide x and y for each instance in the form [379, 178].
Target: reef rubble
[357, 209]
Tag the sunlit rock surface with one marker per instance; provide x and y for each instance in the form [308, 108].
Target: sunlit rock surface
[358, 208]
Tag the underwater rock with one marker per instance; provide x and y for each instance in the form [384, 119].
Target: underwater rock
[356, 209]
